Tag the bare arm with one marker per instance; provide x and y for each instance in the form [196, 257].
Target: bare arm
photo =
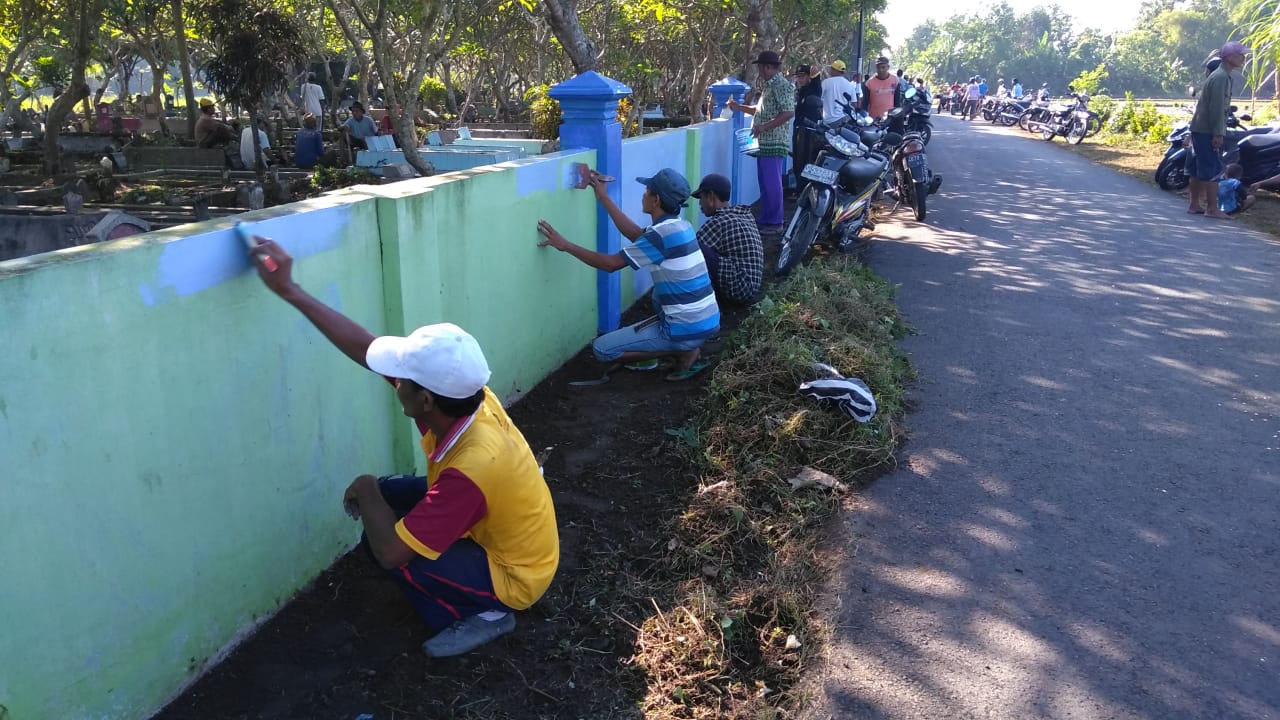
[349, 337]
[735, 105]
[364, 500]
[628, 227]
[597, 260]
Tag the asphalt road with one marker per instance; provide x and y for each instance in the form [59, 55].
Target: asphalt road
[1083, 523]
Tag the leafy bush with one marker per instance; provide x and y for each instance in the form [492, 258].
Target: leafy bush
[544, 112]
[1090, 81]
[1103, 105]
[433, 94]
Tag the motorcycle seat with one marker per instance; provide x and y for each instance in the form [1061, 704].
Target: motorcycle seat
[1260, 141]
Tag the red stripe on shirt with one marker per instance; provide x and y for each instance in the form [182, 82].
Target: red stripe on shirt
[452, 506]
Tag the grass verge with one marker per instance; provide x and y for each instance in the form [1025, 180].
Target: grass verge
[742, 576]
[1137, 158]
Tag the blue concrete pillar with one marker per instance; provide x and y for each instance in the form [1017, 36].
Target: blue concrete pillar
[721, 92]
[589, 106]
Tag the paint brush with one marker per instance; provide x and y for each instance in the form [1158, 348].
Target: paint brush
[586, 174]
[267, 261]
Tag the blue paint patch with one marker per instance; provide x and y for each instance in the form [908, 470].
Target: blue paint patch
[194, 264]
[545, 176]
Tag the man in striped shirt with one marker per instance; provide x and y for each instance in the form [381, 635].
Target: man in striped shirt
[687, 313]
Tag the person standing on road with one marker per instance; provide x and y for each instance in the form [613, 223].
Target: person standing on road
[1016, 91]
[834, 89]
[476, 538]
[884, 91]
[1208, 127]
[972, 99]
[777, 107]
[804, 144]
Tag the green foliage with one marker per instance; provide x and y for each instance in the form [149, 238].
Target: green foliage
[1103, 105]
[258, 45]
[433, 94]
[1090, 81]
[544, 112]
[1140, 120]
[52, 72]
[330, 178]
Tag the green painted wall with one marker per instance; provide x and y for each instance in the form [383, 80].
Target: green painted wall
[174, 439]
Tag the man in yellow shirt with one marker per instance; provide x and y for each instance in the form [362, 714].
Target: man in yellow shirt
[475, 539]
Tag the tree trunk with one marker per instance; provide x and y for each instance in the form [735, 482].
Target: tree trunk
[562, 15]
[88, 19]
[184, 57]
[157, 92]
[451, 100]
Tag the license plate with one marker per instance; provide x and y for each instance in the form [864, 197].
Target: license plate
[916, 163]
[817, 173]
[1082, 113]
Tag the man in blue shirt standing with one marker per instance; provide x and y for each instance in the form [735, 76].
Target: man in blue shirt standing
[982, 88]
[1017, 90]
[687, 313]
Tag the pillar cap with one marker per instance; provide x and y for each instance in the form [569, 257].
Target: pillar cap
[730, 84]
[589, 85]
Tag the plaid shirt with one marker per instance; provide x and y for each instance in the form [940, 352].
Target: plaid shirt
[733, 235]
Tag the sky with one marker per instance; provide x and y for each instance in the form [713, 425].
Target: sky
[901, 17]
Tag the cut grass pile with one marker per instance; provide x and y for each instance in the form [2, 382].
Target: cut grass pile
[742, 567]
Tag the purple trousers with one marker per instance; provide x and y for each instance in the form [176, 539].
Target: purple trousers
[769, 174]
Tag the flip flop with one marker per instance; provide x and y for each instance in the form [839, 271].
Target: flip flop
[643, 365]
[682, 375]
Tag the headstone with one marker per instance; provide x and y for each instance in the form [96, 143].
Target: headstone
[116, 224]
[200, 204]
[73, 202]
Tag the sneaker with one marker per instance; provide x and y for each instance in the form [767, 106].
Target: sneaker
[468, 634]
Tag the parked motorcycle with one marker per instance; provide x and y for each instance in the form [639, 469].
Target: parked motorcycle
[1173, 173]
[920, 107]
[844, 179]
[1070, 120]
[913, 181]
[956, 106]
[1258, 154]
[1009, 111]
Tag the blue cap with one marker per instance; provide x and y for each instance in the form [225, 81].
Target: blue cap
[670, 187]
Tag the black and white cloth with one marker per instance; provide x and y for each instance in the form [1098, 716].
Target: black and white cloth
[850, 395]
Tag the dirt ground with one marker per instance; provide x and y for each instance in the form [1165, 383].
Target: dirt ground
[349, 644]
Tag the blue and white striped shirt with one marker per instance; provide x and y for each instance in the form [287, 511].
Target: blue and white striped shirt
[682, 293]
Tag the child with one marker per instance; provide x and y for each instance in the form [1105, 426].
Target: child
[1233, 197]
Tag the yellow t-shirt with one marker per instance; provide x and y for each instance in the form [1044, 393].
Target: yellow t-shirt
[515, 521]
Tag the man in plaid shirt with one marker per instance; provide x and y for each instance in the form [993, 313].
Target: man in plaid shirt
[730, 242]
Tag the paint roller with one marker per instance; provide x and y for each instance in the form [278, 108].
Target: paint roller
[242, 230]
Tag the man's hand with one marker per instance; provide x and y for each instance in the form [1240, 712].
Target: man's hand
[1217, 142]
[351, 498]
[757, 129]
[280, 281]
[551, 237]
[599, 185]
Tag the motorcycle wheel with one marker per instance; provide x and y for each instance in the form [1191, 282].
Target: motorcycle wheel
[1172, 175]
[1047, 132]
[802, 238]
[1078, 131]
[1007, 119]
[1094, 126]
[1024, 121]
[918, 201]
[926, 133]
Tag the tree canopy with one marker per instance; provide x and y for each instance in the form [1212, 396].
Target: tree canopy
[1162, 55]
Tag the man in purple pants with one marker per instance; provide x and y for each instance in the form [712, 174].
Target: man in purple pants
[772, 128]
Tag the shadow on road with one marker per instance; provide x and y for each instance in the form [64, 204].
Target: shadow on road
[1083, 523]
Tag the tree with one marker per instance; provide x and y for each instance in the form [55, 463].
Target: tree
[258, 46]
[184, 59]
[82, 19]
[1260, 27]
[563, 17]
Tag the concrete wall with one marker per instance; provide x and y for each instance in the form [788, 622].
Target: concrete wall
[174, 439]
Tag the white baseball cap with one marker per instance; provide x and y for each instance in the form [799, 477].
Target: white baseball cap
[442, 358]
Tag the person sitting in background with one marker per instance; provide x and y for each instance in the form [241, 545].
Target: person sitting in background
[730, 242]
[1233, 197]
[211, 132]
[247, 157]
[308, 149]
[358, 127]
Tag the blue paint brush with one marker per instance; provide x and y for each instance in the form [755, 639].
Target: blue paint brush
[267, 261]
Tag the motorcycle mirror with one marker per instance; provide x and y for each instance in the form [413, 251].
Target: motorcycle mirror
[1232, 108]
[1246, 118]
